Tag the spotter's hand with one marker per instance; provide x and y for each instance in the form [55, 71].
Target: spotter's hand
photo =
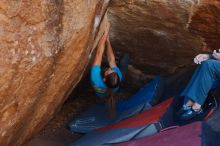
[216, 54]
[200, 58]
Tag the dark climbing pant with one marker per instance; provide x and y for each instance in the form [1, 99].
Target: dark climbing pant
[123, 64]
[203, 80]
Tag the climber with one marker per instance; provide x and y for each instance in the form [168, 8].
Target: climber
[205, 76]
[107, 83]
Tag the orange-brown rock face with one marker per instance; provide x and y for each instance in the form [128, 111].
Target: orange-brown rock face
[162, 35]
[45, 47]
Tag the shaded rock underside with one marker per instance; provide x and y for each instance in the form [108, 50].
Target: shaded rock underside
[47, 45]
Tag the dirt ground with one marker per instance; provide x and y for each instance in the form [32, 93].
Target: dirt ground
[56, 133]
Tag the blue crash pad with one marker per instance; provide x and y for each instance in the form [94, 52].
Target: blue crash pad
[97, 116]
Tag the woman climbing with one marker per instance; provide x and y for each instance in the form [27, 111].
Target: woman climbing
[107, 83]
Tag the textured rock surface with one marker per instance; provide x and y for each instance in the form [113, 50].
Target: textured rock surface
[45, 46]
[162, 35]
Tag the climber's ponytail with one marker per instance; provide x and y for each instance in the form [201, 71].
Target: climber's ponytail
[111, 103]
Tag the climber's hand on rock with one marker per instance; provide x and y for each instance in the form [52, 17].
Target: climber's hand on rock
[108, 40]
[200, 58]
[102, 39]
[105, 35]
[107, 28]
[216, 54]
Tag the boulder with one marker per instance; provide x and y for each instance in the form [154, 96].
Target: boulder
[164, 35]
[45, 48]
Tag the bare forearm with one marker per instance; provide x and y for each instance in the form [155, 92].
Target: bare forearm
[99, 53]
[110, 55]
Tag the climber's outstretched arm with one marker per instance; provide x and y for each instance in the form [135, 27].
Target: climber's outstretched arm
[110, 54]
[100, 49]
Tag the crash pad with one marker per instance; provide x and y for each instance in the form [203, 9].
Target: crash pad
[97, 116]
[189, 135]
[140, 125]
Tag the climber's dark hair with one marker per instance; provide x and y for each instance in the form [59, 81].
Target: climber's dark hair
[112, 80]
[111, 99]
